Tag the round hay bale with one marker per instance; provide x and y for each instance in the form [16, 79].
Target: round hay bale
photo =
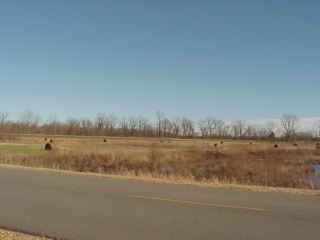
[51, 141]
[216, 145]
[276, 146]
[104, 140]
[48, 147]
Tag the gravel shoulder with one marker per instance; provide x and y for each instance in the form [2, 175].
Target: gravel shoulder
[9, 235]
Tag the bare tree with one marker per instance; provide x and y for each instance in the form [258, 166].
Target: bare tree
[207, 127]
[99, 121]
[86, 126]
[271, 128]
[160, 116]
[316, 129]
[104, 124]
[133, 124]
[124, 127]
[110, 124]
[72, 126]
[3, 119]
[144, 127]
[238, 128]
[51, 126]
[166, 127]
[203, 128]
[176, 127]
[187, 127]
[29, 121]
[211, 127]
[251, 131]
[289, 125]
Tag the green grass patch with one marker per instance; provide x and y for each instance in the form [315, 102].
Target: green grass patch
[21, 148]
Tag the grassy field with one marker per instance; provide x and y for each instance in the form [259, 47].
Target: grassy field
[196, 160]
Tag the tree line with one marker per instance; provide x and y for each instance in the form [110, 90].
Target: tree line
[162, 126]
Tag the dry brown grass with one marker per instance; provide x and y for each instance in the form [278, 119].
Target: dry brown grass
[183, 160]
[246, 165]
[10, 235]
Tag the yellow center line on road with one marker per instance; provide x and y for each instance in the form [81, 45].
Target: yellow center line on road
[197, 203]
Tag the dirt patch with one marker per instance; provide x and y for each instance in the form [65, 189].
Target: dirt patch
[9, 235]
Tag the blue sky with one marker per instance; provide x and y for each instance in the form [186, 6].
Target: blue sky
[243, 59]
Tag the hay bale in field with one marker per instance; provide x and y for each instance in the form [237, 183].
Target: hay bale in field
[295, 145]
[276, 146]
[48, 147]
[250, 143]
[51, 141]
[216, 145]
[222, 142]
[104, 140]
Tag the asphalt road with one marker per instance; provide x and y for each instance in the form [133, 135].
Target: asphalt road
[87, 207]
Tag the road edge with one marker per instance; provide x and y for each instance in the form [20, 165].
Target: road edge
[238, 187]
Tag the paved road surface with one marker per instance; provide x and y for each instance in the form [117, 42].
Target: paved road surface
[87, 207]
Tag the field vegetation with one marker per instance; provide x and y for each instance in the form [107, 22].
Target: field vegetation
[195, 160]
[179, 149]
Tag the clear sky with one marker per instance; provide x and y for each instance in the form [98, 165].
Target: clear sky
[230, 59]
